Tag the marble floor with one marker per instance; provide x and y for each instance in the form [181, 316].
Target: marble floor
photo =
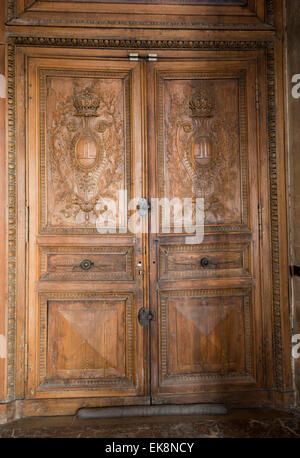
[239, 423]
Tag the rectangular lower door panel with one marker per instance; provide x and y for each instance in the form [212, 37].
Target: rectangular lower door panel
[87, 340]
[205, 338]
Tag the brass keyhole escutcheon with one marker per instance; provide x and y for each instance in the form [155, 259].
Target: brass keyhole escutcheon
[86, 264]
[204, 262]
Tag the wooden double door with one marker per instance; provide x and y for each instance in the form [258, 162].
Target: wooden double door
[119, 307]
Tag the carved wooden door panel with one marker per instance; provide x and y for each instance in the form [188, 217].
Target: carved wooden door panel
[92, 123]
[205, 294]
[84, 144]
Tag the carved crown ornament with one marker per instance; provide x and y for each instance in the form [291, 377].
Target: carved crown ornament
[200, 144]
[201, 106]
[86, 103]
[200, 138]
[85, 145]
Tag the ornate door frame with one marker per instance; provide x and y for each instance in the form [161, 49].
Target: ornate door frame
[274, 226]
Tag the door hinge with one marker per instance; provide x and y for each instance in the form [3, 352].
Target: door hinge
[152, 57]
[27, 224]
[260, 210]
[133, 56]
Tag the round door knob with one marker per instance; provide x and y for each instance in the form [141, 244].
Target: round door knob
[86, 264]
[204, 262]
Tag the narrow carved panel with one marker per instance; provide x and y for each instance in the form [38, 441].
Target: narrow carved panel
[205, 260]
[203, 144]
[85, 146]
[205, 335]
[166, 2]
[76, 263]
[147, 13]
[86, 339]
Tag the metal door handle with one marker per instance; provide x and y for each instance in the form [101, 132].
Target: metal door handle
[144, 316]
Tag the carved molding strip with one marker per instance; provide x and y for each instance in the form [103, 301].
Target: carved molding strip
[183, 25]
[137, 44]
[270, 12]
[12, 223]
[146, 44]
[273, 177]
[11, 9]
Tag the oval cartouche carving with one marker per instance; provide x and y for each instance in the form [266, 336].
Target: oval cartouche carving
[86, 152]
[202, 151]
